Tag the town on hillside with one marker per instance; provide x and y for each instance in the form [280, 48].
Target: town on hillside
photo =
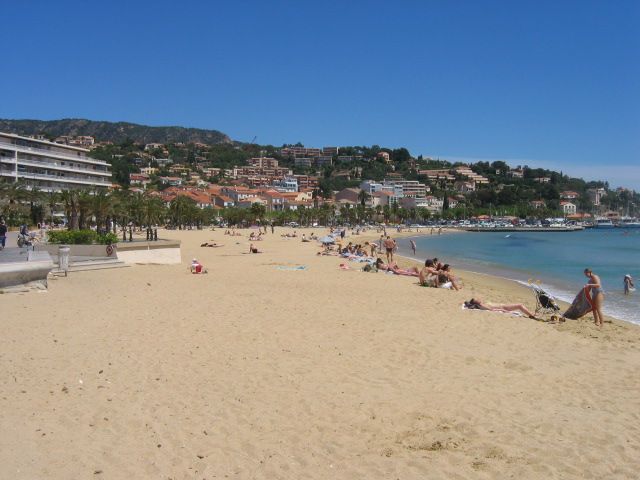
[355, 183]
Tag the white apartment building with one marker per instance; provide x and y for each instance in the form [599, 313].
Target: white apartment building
[370, 186]
[406, 188]
[595, 195]
[49, 166]
[286, 184]
[568, 208]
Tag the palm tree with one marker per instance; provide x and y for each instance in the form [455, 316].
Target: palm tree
[386, 212]
[363, 197]
[378, 211]
[69, 199]
[12, 194]
[152, 210]
[394, 209]
[183, 211]
[52, 203]
[102, 207]
[85, 207]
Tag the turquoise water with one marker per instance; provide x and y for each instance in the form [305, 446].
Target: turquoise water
[556, 259]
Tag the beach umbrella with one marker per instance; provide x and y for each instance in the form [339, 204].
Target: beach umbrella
[327, 239]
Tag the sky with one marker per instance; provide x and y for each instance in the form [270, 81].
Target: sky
[553, 84]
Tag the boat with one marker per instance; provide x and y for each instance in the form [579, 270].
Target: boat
[629, 222]
[602, 222]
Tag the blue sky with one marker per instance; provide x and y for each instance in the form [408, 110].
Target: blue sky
[544, 83]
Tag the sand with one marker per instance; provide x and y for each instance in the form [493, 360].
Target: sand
[257, 372]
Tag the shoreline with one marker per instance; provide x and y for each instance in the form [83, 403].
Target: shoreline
[564, 293]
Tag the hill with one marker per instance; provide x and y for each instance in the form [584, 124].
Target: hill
[116, 132]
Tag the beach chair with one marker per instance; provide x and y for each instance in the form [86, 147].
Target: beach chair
[545, 302]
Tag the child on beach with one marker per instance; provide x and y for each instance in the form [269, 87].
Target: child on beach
[197, 267]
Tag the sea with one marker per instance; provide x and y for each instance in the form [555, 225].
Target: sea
[554, 260]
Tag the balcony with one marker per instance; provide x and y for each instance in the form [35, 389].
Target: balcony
[49, 153]
[55, 166]
[54, 178]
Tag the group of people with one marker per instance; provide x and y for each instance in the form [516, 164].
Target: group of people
[436, 274]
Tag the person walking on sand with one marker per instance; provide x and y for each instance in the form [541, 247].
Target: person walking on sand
[390, 246]
[628, 283]
[597, 295]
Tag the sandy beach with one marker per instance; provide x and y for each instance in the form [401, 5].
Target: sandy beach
[258, 370]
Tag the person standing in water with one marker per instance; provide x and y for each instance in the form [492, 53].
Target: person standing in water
[413, 246]
[628, 284]
[597, 295]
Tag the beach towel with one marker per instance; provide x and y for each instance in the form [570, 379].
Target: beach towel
[466, 306]
[286, 267]
[581, 305]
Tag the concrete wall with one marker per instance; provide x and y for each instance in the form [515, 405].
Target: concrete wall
[80, 250]
[34, 271]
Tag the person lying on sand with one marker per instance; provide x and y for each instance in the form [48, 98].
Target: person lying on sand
[211, 245]
[394, 268]
[429, 275]
[477, 303]
[253, 249]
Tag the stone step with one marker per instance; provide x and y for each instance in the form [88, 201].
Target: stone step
[92, 265]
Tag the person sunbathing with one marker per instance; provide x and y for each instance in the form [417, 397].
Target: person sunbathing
[253, 249]
[394, 268]
[211, 245]
[477, 303]
[410, 272]
[446, 275]
[429, 275]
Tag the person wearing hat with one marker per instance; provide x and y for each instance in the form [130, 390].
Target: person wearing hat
[628, 284]
[197, 267]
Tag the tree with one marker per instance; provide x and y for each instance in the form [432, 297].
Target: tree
[363, 196]
[84, 207]
[69, 199]
[183, 211]
[258, 210]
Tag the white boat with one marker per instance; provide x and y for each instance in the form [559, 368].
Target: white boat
[603, 223]
[628, 222]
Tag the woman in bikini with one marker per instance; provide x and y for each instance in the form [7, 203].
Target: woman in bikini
[503, 308]
[597, 295]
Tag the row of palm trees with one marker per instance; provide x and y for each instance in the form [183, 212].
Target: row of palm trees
[20, 203]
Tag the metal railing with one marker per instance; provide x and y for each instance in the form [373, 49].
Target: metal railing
[54, 165]
[50, 153]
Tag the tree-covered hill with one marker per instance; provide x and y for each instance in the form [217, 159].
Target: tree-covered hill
[115, 132]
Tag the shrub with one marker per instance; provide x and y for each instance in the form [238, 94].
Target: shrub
[73, 237]
[107, 238]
